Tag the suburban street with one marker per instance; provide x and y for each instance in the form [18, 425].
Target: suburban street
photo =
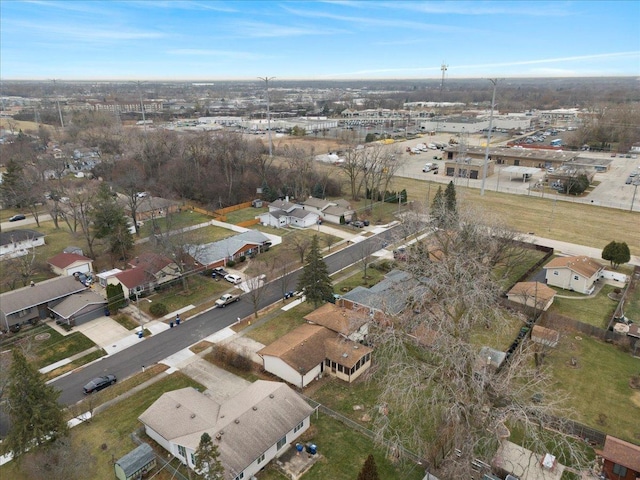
[157, 347]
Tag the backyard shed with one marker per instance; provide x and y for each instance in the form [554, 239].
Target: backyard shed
[136, 463]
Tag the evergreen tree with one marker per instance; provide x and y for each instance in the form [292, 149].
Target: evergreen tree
[369, 470]
[208, 466]
[315, 281]
[438, 211]
[10, 185]
[450, 201]
[617, 253]
[32, 406]
[110, 222]
[115, 297]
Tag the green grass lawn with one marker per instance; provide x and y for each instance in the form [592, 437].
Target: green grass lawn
[352, 277]
[595, 311]
[599, 385]
[108, 439]
[344, 452]
[280, 325]
[245, 214]
[173, 222]
[525, 262]
[58, 347]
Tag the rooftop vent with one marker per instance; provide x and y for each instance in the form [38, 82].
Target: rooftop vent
[271, 395]
[178, 405]
[255, 408]
[193, 415]
[237, 420]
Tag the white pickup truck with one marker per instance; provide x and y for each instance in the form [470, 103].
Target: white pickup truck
[226, 299]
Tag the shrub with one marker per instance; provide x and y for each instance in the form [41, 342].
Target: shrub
[158, 309]
[243, 258]
[231, 264]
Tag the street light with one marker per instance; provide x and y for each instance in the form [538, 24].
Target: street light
[266, 81]
[486, 150]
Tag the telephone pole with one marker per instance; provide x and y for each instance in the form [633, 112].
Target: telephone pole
[266, 81]
[494, 81]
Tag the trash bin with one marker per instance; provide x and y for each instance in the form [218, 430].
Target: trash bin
[140, 334]
[170, 324]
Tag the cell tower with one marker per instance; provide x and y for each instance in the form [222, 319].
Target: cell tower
[443, 68]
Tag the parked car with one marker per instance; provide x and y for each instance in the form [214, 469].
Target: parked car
[235, 279]
[226, 299]
[17, 217]
[219, 272]
[99, 383]
[358, 224]
[629, 180]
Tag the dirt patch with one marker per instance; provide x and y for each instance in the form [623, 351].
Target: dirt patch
[635, 398]
[200, 346]
[318, 146]
[43, 336]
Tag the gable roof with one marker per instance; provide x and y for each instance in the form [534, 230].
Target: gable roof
[621, 452]
[12, 236]
[209, 253]
[302, 348]
[76, 302]
[243, 427]
[345, 352]
[388, 295]
[582, 265]
[151, 262]
[318, 203]
[38, 294]
[133, 277]
[283, 205]
[339, 319]
[540, 291]
[63, 260]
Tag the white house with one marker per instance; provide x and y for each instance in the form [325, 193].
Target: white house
[250, 429]
[296, 218]
[17, 242]
[573, 273]
[67, 264]
[329, 210]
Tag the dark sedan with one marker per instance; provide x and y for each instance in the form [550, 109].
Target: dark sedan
[15, 218]
[99, 383]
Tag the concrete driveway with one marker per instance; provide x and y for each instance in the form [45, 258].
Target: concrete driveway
[107, 334]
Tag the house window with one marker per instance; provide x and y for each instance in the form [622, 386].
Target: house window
[261, 459]
[182, 452]
[193, 459]
[240, 477]
[575, 277]
[298, 427]
[281, 443]
[619, 470]
[555, 272]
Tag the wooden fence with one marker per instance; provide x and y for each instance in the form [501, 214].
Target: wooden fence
[232, 208]
[248, 223]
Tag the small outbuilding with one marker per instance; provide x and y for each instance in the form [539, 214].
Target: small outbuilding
[545, 336]
[135, 464]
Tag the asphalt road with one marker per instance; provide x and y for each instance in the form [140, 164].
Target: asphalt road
[157, 347]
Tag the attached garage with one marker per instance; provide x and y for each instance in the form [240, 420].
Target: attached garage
[80, 308]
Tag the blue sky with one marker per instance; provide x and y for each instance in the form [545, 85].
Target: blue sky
[325, 40]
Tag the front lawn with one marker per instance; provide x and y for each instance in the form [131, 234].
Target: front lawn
[280, 325]
[598, 385]
[58, 347]
[596, 311]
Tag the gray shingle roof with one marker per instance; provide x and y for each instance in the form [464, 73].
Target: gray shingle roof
[209, 253]
[42, 292]
[74, 303]
[244, 427]
[12, 236]
[389, 295]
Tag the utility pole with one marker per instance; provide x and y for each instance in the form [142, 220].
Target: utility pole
[144, 120]
[266, 81]
[486, 150]
[58, 105]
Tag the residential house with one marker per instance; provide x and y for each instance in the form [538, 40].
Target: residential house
[389, 296]
[298, 217]
[308, 351]
[577, 274]
[135, 464]
[621, 460]
[148, 271]
[67, 264]
[217, 254]
[349, 323]
[532, 294]
[32, 303]
[330, 211]
[79, 308]
[15, 243]
[149, 207]
[250, 429]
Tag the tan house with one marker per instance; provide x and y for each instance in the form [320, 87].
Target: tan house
[305, 353]
[148, 271]
[66, 264]
[532, 294]
[351, 324]
[577, 274]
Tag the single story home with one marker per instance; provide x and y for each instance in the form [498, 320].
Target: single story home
[577, 273]
[532, 294]
[387, 297]
[308, 351]
[66, 264]
[297, 217]
[135, 464]
[15, 243]
[149, 207]
[32, 303]
[249, 429]
[148, 271]
[329, 210]
[621, 460]
[217, 254]
[351, 324]
[79, 308]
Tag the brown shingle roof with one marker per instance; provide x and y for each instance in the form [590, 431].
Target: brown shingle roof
[63, 260]
[538, 290]
[621, 452]
[338, 319]
[345, 352]
[582, 265]
[302, 348]
[546, 334]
